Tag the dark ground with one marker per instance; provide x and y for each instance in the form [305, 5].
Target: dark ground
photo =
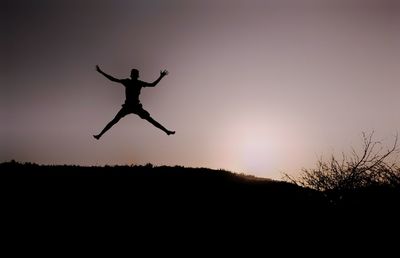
[156, 186]
[149, 201]
[199, 188]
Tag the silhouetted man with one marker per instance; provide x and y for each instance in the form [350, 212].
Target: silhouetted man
[132, 104]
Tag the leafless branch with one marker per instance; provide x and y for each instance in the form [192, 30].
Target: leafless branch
[371, 167]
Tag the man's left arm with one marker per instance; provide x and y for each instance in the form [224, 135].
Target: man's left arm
[162, 74]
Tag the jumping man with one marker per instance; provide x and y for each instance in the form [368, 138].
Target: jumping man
[132, 104]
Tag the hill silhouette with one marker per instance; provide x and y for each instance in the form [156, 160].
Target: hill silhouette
[199, 188]
[113, 198]
[178, 186]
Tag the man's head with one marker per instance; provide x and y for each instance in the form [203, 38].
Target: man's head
[134, 73]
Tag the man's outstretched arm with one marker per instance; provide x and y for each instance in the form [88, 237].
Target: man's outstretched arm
[162, 74]
[107, 75]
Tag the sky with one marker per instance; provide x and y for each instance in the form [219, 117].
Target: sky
[256, 87]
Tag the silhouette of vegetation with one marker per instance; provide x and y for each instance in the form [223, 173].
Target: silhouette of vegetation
[372, 172]
[366, 181]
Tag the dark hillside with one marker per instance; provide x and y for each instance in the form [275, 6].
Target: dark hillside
[191, 187]
[176, 189]
[103, 199]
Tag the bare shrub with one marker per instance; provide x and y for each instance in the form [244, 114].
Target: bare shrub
[375, 165]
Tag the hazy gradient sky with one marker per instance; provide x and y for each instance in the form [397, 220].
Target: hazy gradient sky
[258, 87]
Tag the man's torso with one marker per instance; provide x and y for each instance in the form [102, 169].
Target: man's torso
[132, 91]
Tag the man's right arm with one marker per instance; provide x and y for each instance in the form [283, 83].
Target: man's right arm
[107, 75]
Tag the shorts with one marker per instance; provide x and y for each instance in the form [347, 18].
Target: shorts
[134, 109]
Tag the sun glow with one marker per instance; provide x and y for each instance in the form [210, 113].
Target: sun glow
[248, 147]
[262, 147]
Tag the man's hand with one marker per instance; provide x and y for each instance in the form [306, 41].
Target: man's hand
[163, 73]
[98, 69]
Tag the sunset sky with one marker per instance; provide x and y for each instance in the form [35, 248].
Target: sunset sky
[259, 87]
